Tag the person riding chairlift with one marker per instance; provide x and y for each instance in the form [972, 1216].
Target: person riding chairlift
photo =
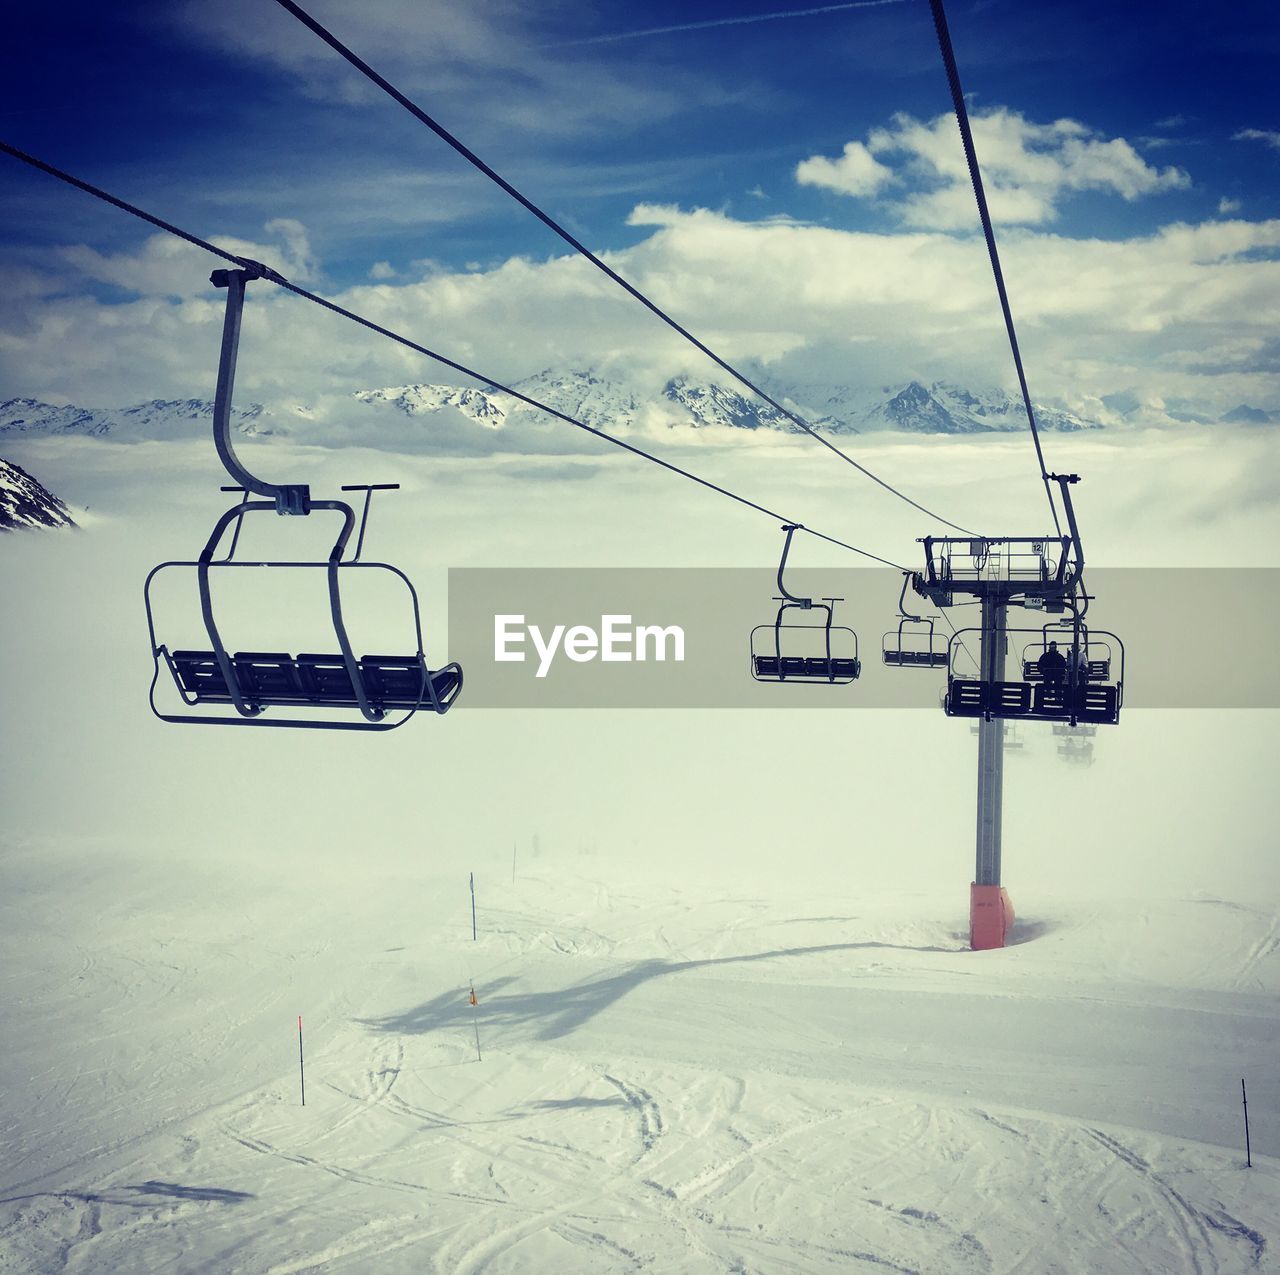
[1052, 666]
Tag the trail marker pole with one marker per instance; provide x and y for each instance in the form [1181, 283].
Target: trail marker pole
[473, 907]
[302, 1072]
[1248, 1152]
[475, 1020]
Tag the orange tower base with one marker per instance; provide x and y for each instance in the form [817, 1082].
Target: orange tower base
[990, 917]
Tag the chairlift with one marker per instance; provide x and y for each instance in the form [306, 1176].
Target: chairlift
[915, 645]
[824, 653]
[1013, 741]
[1079, 698]
[1091, 655]
[385, 690]
[1077, 751]
[1064, 730]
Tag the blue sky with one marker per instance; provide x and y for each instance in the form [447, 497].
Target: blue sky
[228, 118]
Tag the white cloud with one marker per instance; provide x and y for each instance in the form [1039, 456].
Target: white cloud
[1188, 312]
[169, 267]
[1027, 168]
[489, 61]
[1227, 206]
[1269, 136]
[856, 172]
[381, 271]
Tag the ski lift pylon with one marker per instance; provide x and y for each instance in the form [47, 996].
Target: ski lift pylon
[825, 653]
[385, 690]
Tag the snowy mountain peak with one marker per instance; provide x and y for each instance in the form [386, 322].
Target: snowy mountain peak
[25, 502]
[608, 401]
[947, 408]
[481, 406]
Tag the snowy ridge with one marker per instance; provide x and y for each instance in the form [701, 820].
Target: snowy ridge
[26, 502]
[614, 403]
[587, 396]
[422, 400]
[650, 1079]
[156, 418]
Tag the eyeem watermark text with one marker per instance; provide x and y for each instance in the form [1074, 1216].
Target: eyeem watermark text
[617, 641]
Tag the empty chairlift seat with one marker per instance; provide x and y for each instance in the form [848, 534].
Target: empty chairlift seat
[799, 668]
[815, 650]
[276, 679]
[914, 659]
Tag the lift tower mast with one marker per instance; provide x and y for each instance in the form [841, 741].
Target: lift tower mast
[1043, 573]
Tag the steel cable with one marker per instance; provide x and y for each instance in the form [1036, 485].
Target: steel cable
[550, 222]
[279, 280]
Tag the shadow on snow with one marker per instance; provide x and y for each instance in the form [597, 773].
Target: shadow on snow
[560, 1012]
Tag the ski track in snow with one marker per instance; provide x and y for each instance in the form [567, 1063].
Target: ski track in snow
[560, 1153]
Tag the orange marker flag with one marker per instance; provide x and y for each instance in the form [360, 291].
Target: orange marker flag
[472, 998]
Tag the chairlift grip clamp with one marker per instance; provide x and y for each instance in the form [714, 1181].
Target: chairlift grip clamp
[250, 269]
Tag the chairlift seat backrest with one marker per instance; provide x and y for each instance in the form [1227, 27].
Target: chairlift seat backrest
[1051, 698]
[197, 673]
[277, 679]
[915, 659]
[814, 668]
[1008, 697]
[1100, 704]
[964, 699]
[325, 679]
[1094, 670]
[268, 677]
[967, 698]
[391, 678]
[398, 681]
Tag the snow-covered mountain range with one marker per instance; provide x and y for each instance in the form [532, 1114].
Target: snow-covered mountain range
[606, 404]
[609, 403]
[26, 502]
[157, 418]
[940, 408]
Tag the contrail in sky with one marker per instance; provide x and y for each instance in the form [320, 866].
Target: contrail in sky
[726, 22]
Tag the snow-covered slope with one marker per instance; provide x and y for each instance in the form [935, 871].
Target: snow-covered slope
[26, 502]
[654, 1077]
[726, 1013]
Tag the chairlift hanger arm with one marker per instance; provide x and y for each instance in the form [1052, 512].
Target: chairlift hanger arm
[907, 577]
[290, 498]
[790, 598]
[1065, 483]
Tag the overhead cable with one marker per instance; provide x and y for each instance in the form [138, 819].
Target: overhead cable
[578, 246]
[975, 174]
[273, 277]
